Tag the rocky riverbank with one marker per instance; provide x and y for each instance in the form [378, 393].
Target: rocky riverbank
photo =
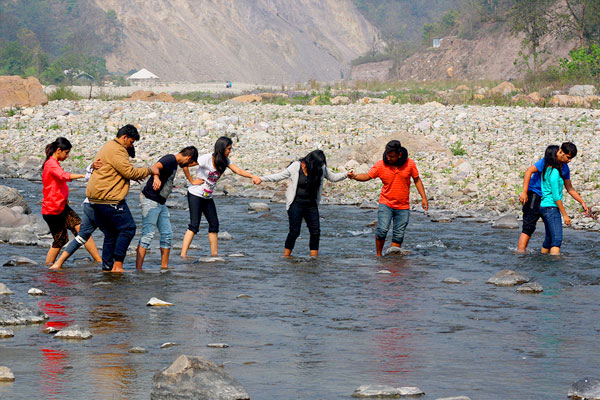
[471, 159]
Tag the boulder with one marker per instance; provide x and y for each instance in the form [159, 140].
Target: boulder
[582, 90]
[451, 281]
[462, 88]
[147, 95]
[585, 389]
[19, 261]
[195, 378]
[36, 292]
[258, 206]
[507, 221]
[4, 289]
[391, 99]
[167, 345]
[383, 391]
[224, 235]
[18, 92]
[502, 89]
[531, 287]
[6, 333]
[340, 100]
[13, 313]
[6, 375]
[269, 95]
[74, 332]
[247, 98]
[158, 302]
[396, 251]
[218, 345]
[507, 277]
[137, 350]
[563, 100]
[10, 197]
[536, 97]
[522, 98]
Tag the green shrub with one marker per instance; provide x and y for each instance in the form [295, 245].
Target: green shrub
[457, 149]
[584, 62]
[63, 93]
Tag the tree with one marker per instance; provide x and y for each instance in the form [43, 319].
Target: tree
[582, 18]
[531, 18]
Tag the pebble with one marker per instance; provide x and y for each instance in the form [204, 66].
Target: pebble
[383, 391]
[218, 345]
[243, 296]
[6, 333]
[49, 330]
[384, 271]
[137, 350]
[158, 302]
[36, 292]
[237, 255]
[224, 236]
[6, 375]
[451, 280]
[168, 344]
[208, 260]
[74, 332]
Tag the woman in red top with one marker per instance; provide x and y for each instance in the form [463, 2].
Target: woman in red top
[55, 208]
[395, 171]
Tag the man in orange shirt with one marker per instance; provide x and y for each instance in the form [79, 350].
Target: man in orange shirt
[395, 171]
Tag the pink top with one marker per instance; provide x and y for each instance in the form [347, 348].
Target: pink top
[56, 191]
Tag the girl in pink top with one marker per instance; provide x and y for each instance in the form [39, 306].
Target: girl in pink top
[55, 205]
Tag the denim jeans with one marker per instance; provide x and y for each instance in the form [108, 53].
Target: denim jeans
[155, 215]
[118, 226]
[553, 224]
[310, 213]
[88, 226]
[385, 215]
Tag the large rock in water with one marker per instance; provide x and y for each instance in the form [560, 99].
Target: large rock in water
[195, 378]
[507, 221]
[12, 313]
[10, 197]
[507, 277]
[18, 92]
[585, 389]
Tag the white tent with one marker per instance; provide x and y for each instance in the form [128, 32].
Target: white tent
[143, 74]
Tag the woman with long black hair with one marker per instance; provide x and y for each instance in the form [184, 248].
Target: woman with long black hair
[304, 195]
[55, 205]
[211, 167]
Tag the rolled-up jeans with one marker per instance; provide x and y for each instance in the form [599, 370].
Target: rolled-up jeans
[88, 226]
[118, 226]
[385, 215]
[155, 215]
[553, 224]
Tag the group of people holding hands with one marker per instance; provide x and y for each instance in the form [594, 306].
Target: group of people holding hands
[105, 206]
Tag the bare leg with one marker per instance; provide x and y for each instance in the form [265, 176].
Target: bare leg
[139, 257]
[90, 246]
[523, 241]
[61, 260]
[555, 251]
[118, 267]
[287, 253]
[51, 256]
[164, 258]
[379, 246]
[314, 253]
[213, 239]
[187, 240]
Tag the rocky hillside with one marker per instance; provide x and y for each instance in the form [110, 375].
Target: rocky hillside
[262, 41]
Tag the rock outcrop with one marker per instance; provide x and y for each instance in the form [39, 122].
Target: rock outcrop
[18, 92]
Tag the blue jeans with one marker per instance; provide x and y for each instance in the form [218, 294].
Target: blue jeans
[385, 215]
[553, 224]
[155, 215]
[88, 226]
[118, 226]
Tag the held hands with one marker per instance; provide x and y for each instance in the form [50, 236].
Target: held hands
[351, 175]
[256, 180]
[156, 183]
[523, 197]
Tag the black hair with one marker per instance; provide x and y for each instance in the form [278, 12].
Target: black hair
[314, 161]
[220, 146]
[131, 151]
[59, 143]
[550, 160]
[569, 148]
[190, 151]
[130, 131]
[395, 146]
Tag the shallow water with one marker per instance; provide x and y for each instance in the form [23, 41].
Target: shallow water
[315, 329]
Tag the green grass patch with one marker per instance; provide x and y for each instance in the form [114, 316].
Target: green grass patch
[63, 93]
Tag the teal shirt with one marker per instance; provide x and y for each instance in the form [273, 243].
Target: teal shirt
[552, 188]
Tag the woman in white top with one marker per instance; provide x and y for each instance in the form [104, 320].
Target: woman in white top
[200, 194]
[303, 196]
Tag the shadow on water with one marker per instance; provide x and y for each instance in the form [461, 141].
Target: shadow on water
[314, 328]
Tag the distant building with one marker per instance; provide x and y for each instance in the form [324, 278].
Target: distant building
[437, 43]
[143, 75]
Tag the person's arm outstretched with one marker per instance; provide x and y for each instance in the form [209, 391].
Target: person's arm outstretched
[421, 190]
[237, 170]
[279, 176]
[530, 171]
[359, 177]
[334, 177]
[571, 190]
[60, 174]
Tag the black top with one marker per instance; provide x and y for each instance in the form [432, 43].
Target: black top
[305, 194]
[167, 176]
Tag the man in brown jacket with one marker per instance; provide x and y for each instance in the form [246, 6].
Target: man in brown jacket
[106, 191]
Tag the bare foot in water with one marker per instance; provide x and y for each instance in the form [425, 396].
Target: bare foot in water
[55, 267]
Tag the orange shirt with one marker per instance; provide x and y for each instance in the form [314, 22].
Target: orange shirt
[396, 183]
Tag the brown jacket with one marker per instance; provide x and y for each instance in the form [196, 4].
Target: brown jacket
[110, 184]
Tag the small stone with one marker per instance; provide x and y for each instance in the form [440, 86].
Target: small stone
[74, 332]
[259, 207]
[507, 221]
[243, 296]
[167, 345]
[507, 277]
[101, 283]
[224, 236]
[36, 292]
[49, 330]
[383, 391]
[6, 375]
[237, 255]
[585, 389]
[452, 281]
[19, 261]
[384, 271]
[209, 260]
[531, 287]
[4, 289]
[218, 345]
[396, 251]
[138, 350]
[158, 302]
[6, 333]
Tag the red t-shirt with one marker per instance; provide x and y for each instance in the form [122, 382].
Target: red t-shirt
[56, 191]
[396, 183]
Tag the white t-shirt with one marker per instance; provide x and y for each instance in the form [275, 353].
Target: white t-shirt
[208, 173]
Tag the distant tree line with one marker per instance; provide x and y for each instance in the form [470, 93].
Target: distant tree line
[45, 38]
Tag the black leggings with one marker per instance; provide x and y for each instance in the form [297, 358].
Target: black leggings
[310, 213]
[199, 206]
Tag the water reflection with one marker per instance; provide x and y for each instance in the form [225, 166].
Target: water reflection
[52, 370]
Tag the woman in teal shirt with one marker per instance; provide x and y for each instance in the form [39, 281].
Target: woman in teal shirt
[551, 206]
